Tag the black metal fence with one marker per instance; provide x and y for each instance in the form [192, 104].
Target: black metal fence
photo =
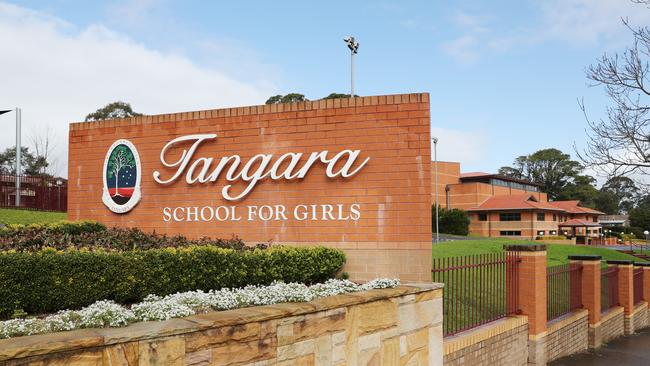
[638, 285]
[36, 193]
[478, 289]
[609, 288]
[563, 289]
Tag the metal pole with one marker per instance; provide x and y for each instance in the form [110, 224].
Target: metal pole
[435, 159]
[352, 74]
[18, 157]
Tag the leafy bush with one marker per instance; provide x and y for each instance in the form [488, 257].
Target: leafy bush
[93, 235]
[59, 227]
[454, 221]
[551, 237]
[48, 280]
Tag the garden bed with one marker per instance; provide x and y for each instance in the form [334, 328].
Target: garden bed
[51, 267]
[104, 313]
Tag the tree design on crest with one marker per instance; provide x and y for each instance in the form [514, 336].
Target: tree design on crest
[121, 157]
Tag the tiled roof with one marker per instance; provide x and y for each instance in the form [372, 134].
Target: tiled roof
[577, 222]
[574, 207]
[514, 202]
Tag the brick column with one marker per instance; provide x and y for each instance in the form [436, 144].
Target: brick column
[532, 297]
[591, 294]
[626, 291]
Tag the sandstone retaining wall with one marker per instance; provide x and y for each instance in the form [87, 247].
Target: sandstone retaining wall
[379, 327]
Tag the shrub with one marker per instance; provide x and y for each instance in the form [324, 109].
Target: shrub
[60, 227]
[454, 221]
[93, 235]
[551, 237]
[49, 280]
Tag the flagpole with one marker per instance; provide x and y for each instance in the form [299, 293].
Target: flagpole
[18, 123]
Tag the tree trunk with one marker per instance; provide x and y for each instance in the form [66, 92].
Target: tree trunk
[117, 192]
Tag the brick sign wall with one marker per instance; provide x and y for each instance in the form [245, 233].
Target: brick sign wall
[379, 214]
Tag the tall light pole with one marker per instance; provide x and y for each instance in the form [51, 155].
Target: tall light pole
[353, 45]
[435, 164]
[18, 157]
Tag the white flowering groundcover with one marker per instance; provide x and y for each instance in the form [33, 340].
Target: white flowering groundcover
[110, 314]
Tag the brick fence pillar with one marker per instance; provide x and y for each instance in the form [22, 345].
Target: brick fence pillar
[626, 291]
[532, 297]
[591, 294]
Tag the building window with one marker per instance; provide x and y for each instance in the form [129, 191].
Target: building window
[482, 217]
[541, 232]
[510, 233]
[510, 216]
[553, 232]
[595, 218]
[554, 217]
[541, 216]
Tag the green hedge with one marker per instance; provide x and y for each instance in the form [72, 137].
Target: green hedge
[93, 235]
[49, 280]
[454, 221]
[58, 227]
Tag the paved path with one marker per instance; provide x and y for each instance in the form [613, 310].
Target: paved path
[626, 351]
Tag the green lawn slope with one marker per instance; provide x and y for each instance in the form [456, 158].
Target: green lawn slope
[557, 253]
[13, 216]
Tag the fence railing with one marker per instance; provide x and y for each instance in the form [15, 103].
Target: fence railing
[609, 288]
[638, 285]
[36, 193]
[478, 289]
[563, 289]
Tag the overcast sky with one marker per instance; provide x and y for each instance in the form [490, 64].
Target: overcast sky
[504, 76]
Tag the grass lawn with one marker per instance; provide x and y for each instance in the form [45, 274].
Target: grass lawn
[557, 253]
[13, 216]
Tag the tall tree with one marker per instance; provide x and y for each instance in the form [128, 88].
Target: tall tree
[625, 191]
[619, 144]
[30, 163]
[288, 98]
[338, 96]
[44, 144]
[607, 202]
[581, 188]
[113, 110]
[550, 168]
[640, 215]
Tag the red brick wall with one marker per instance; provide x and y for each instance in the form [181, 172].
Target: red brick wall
[393, 189]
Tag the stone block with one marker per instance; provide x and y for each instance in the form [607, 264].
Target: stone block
[212, 337]
[240, 352]
[418, 315]
[199, 358]
[390, 352]
[296, 350]
[162, 351]
[311, 326]
[125, 354]
[323, 352]
[307, 360]
[377, 315]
